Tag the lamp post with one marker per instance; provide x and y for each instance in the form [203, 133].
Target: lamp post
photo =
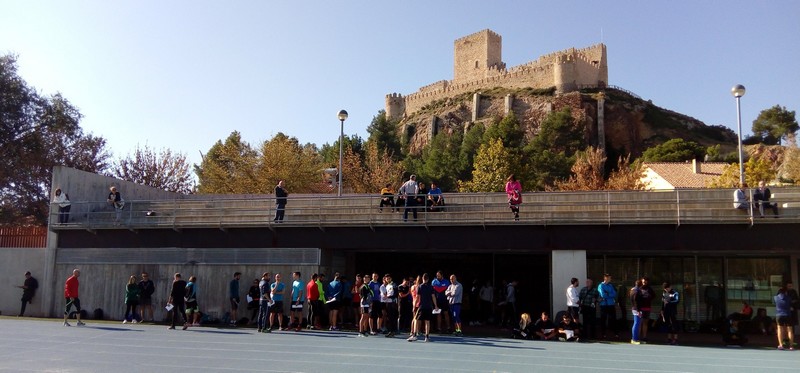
[342, 116]
[738, 92]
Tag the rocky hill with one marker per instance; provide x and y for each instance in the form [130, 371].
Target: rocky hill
[631, 123]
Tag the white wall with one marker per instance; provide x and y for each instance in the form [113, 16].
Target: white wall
[566, 265]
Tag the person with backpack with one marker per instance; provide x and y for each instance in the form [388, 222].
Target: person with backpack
[365, 295]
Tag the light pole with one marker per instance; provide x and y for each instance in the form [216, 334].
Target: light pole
[738, 92]
[342, 117]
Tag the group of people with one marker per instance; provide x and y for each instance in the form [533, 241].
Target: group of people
[761, 197]
[61, 199]
[410, 195]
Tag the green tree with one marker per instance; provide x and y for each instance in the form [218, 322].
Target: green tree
[38, 133]
[492, 167]
[330, 153]
[163, 170]
[469, 147]
[775, 124]
[508, 130]
[283, 158]
[383, 132]
[228, 168]
[550, 154]
[441, 160]
[675, 150]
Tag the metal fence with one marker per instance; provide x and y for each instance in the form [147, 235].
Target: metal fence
[699, 206]
[23, 237]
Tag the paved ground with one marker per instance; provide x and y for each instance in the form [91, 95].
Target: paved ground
[34, 345]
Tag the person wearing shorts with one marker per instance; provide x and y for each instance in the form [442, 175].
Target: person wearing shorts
[376, 311]
[783, 311]
[71, 297]
[440, 284]
[192, 309]
[296, 312]
[365, 301]
[454, 295]
[427, 303]
[276, 310]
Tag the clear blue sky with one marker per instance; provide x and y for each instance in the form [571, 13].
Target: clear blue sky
[184, 74]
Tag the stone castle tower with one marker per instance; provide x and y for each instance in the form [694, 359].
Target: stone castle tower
[478, 64]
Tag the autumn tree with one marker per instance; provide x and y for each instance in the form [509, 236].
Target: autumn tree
[755, 170]
[588, 173]
[491, 169]
[38, 133]
[229, 168]
[163, 170]
[791, 163]
[283, 158]
[775, 124]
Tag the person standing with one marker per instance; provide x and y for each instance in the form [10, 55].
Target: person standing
[440, 285]
[487, 302]
[365, 302]
[415, 305]
[608, 306]
[263, 303]
[28, 291]
[62, 200]
[588, 298]
[783, 309]
[296, 311]
[510, 313]
[314, 304]
[116, 201]
[192, 308]
[794, 303]
[376, 311]
[455, 293]
[146, 290]
[392, 310]
[276, 310]
[132, 292]
[669, 312]
[71, 297]
[514, 194]
[177, 300]
[636, 298]
[573, 299]
[409, 192]
[713, 298]
[280, 201]
[427, 304]
[406, 307]
[233, 296]
[253, 294]
[646, 306]
[335, 301]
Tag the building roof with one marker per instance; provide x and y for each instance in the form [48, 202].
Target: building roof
[682, 175]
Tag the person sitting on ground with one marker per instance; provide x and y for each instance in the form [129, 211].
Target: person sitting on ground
[524, 329]
[740, 199]
[732, 335]
[761, 198]
[387, 197]
[745, 314]
[764, 323]
[568, 329]
[435, 198]
[544, 329]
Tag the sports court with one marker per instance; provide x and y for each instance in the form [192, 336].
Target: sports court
[30, 345]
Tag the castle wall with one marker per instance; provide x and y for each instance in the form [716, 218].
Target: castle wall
[566, 70]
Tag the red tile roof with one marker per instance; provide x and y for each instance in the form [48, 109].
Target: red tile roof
[680, 175]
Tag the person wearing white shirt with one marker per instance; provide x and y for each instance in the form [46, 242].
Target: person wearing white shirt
[573, 301]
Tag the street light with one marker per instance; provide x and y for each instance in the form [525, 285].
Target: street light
[738, 91]
[342, 117]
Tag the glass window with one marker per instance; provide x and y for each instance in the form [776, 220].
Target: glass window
[710, 287]
[755, 281]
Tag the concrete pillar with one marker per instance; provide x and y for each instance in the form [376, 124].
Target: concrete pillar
[601, 129]
[509, 103]
[476, 106]
[566, 264]
[50, 288]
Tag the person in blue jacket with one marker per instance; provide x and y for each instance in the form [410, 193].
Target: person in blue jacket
[608, 305]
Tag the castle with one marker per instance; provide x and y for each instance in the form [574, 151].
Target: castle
[478, 64]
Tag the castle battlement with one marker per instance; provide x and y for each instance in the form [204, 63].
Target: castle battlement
[478, 65]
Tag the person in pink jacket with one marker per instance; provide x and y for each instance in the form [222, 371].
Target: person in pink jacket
[514, 193]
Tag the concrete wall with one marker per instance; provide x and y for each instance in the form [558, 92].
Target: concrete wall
[566, 264]
[14, 262]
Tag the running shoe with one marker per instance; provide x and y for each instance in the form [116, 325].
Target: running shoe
[412, 338]
[66, 324]
[80, 323]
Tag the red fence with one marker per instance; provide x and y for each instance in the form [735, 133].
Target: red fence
[23, 236]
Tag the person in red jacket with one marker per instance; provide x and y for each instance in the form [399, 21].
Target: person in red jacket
[314, 303]
[71, 296]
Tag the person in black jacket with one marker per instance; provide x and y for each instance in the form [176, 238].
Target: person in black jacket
[280, 201]
[146, 290]
[28, 291]
[761, 198]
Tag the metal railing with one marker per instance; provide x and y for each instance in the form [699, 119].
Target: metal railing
[701, 206]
